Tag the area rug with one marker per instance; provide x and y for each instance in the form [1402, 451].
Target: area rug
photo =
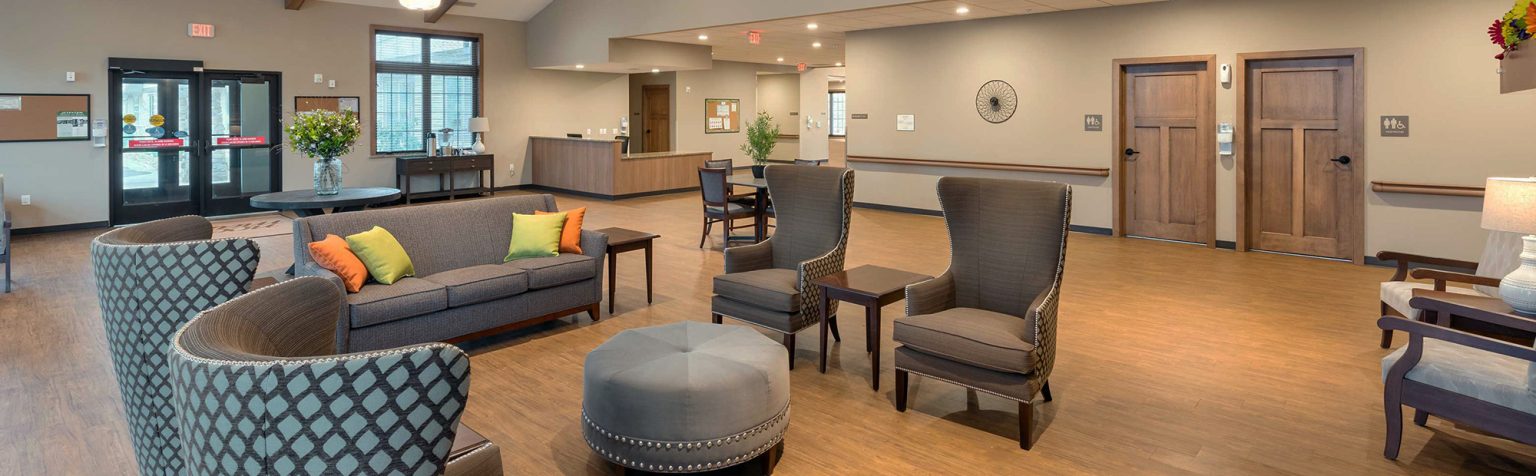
[255, 226]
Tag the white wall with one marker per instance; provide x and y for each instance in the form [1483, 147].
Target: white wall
[68, 180]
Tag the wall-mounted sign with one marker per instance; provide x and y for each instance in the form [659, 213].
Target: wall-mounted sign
[200, 30]
[241, 140]
[10, 103]
[755, 37]
[1394, 126]
[722, 116]
[800, 67]
[1093, 122]
[858, 116]
[155, 143]
[906, 122]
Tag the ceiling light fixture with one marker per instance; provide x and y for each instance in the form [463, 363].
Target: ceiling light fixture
[421, 4]
[703, 37]
[812, 26]
[963, 10]
[655, 70]
[581, 66]
[839, 64]
[816, 44]
[781, 59]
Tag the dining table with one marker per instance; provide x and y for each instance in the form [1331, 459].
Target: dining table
[760, 202]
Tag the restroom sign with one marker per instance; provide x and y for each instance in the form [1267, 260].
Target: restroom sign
[1394, 126]
[1093, 122]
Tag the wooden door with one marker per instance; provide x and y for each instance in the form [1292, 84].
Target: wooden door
[1167, 151]
[1301, 174]
[656, 118]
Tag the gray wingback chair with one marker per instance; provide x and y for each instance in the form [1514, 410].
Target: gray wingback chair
[151, 278]
[989, 322]
[768, 284]
[5, 236]
[259, 390]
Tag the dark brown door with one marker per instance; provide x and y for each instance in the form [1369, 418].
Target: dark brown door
[1168, 161]
[656, 118]
[1302, 170]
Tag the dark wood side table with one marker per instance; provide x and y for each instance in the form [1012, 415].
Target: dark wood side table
[872, 287]
[621, 240]
[1484, 303]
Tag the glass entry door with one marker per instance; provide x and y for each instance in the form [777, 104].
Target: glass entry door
[192, 143]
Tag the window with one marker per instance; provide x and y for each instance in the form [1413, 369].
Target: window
[423, 83]
[837, 110]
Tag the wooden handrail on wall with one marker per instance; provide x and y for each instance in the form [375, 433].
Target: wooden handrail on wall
[1047, 169]
[1426, 189]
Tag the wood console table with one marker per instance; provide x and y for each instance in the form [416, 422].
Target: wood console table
[444, 168]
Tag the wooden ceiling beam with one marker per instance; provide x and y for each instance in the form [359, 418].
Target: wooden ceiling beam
[437, 14]
[293, 4]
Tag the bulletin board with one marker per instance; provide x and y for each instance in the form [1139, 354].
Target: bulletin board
[44, 117]
[722, 116]
[327, 103]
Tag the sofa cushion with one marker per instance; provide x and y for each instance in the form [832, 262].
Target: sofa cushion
[976, 337]
[772, 288]
[555, 270]
[408, 297]
[477, 284]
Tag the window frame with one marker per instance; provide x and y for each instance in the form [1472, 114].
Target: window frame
[830, 118]
[426, 85]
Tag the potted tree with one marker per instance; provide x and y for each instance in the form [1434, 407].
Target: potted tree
[762, 136]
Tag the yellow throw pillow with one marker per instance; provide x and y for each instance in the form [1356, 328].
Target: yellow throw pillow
[535, 236]
[382, 254]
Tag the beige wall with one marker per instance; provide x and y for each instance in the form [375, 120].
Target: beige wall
[727, 80]
[779, 96]
[68, 180]
[1424, 58]
[813, 105]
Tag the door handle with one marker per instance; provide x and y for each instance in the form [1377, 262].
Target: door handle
[1342, 160]
[1129, 152]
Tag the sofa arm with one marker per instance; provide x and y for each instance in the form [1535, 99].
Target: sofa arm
[595, 244]
[749, 258]
[312, 268]
[931, 296]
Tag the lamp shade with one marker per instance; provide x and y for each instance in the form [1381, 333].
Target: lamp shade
[1509, 204]
[479, 124]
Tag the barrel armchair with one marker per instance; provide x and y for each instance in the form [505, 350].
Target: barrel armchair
[151, 279]
[989, 322]
[258, 389]
[768, 284]
[1501, 255]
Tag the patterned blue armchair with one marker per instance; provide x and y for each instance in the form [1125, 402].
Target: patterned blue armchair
[152, 278]
[258, 390]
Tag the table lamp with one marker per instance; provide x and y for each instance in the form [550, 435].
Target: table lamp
[1509, 204]
[479, 126]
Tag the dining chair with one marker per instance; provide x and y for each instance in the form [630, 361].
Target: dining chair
[720, 205]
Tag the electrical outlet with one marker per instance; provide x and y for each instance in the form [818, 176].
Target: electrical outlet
[333, 84]
[26, 199]
[512, 169]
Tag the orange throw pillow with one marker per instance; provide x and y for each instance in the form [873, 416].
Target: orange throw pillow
[333, 254]
[570, 236]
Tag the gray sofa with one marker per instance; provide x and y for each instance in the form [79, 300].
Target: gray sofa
[461, 288]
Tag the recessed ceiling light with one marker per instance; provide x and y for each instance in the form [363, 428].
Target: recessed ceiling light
[781, 59]
[811, 26]
[581, 66]
[816, 44]
[655, 70]
[963, 10]
[703, 37]
[839, 63]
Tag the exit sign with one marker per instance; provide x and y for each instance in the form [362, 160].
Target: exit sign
[755, 37]
[200, 30]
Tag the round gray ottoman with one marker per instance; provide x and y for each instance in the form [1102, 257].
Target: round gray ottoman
[685, 397]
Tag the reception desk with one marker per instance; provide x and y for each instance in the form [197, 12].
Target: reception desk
[598, 167]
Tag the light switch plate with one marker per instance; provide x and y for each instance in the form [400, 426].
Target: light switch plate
[319, 78]
[26, 199]
[333, 84]
[69, 76]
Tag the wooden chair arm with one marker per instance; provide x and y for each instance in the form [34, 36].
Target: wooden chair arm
[1440, 277]
[1427, 330]
[1453, 309]
[1404, 260]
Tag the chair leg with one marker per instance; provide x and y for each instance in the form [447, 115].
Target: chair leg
[705, 236]
[1394, 408]
[1420, 417]
[832, 321]
[1386, 334]
[716, 318]
[789, 344]
[729, 223]
[1045, 391]
[901, 390]
[1026, 425]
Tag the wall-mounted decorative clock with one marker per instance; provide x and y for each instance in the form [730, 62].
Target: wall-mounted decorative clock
[996, 101]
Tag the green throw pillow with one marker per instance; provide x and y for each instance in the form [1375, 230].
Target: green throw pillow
[535, 236]
[382, 254]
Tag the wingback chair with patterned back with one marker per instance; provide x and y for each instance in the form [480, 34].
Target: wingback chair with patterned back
[259, 390]
[151, 279]
[1501, 255]
[768, 284]
[5, 236]
[989, 321]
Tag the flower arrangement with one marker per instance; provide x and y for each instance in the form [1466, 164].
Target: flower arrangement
[323, 134]
[762, 136]
[1515, 27]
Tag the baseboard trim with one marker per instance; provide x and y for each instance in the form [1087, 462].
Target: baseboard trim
[38, 230]
[600, 196]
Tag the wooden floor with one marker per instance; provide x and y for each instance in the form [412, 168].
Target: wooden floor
[1173, 359]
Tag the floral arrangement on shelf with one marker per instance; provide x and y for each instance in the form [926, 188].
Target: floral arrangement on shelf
[324, 134]
[1515, 27]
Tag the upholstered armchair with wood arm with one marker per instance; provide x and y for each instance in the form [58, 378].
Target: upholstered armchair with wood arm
[259, 389]
[1501, 255]
[1473, 380]
[989, 322]
[768, 284]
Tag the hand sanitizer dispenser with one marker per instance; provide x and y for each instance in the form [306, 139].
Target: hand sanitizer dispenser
[1224, 139]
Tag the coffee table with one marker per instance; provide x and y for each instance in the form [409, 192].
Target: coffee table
[872, 287]
[306, 203]
[621, 240]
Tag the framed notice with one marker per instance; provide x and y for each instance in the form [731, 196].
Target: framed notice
[303, 104]
[722, 116]
[44, 117]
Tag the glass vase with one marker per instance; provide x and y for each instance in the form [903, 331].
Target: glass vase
[328, 176]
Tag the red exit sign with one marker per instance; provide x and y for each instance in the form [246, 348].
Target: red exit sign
[200, 30]
[754, 37]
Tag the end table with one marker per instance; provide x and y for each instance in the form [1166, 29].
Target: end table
[872, 287]
[621, 240]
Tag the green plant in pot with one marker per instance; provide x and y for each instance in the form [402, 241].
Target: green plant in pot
[762, 136]
[324, 136]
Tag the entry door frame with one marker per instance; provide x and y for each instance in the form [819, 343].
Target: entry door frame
[1356, 208]
[645, 116]
[1208, 143]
